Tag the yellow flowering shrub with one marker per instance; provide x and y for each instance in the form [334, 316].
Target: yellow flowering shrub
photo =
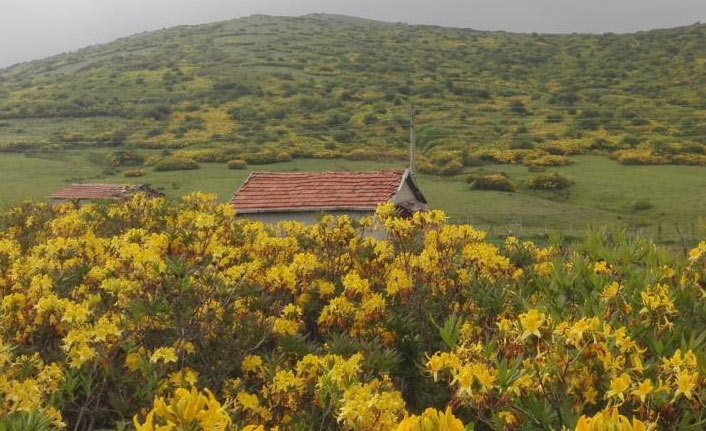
[119, 316]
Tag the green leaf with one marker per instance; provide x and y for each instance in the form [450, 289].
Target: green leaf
[450, 332]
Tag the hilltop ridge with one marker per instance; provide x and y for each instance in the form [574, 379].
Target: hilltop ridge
[324, 85]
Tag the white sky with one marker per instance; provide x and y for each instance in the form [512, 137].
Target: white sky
[31, 29]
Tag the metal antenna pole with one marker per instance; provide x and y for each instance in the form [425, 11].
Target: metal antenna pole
[412, 139]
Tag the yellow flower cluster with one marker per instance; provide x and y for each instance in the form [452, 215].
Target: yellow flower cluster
[188, 410]
[126, 310]
[610, 420]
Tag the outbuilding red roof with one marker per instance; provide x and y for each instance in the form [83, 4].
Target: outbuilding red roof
[99, 191]
[317, 191]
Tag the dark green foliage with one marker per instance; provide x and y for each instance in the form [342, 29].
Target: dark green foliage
[491, 181]
[24, 421]
[549, 181]
[124, 158]
[157, 112]
[237, 164]
[521, 144]
[133, 173]
[176, 163]
[266, 157]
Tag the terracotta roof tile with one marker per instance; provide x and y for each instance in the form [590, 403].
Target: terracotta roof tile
[94, 191]
[300, 191]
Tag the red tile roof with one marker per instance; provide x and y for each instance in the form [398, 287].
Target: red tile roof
[96, 191]
[316, 191]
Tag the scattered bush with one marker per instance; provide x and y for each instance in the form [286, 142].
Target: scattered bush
[452, 167]
[639, 157]
[157, 112]
[549, 181]
[447, 163]
[267, 157]
[124, 158]
[521, 144]
[176, 163]
[495, 181]
[426, 167]
[237, 164]
[137, 172]
[548, 160]
[208, 155]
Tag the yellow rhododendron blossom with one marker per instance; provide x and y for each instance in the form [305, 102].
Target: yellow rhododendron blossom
[610, 419]
[432, 420]
[188, 409]
[164, 354]
[531, 321]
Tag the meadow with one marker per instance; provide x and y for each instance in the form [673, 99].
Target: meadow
[605, 192]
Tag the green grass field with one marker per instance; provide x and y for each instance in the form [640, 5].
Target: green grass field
[604, 193]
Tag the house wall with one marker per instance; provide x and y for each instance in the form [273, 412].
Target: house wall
[306, 217]
[80, 202]
[405, 194]
[312, 217]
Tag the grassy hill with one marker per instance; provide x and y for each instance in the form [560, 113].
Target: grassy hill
[332, 86]
[282, 92]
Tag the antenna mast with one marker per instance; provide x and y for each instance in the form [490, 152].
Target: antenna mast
[412, 139]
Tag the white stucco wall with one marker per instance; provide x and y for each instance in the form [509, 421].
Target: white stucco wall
[405, 194]
[307, 217]
[312, 217]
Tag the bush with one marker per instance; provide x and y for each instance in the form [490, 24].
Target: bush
[549, 181]
[176, 163]
[448, 162]
[157, 112]
[497, 182]
[362, 154]
[124, 158]
[260, 158]
[283, 156]
[131, 310]
[639, 157]
[548, 160]
[131, 173]
[237, 164]
[426, 167]
[517, 106]
[207, 155]
[452, 167]
[521, 144]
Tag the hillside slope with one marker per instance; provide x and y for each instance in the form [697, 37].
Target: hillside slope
[324, 85]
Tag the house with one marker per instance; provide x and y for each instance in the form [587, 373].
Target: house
[302, 196]
[83, 193]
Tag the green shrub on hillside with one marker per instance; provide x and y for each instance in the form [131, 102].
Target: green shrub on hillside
[132, 173]
[124, 158]
[447, 163]
[494, 181]
[237, 164]
[176, 163]
[549, 181]
[548, 160]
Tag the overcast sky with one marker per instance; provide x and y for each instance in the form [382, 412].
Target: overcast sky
[31, 29]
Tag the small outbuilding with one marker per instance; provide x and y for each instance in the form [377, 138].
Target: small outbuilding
[303, 196]
[83, 193]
